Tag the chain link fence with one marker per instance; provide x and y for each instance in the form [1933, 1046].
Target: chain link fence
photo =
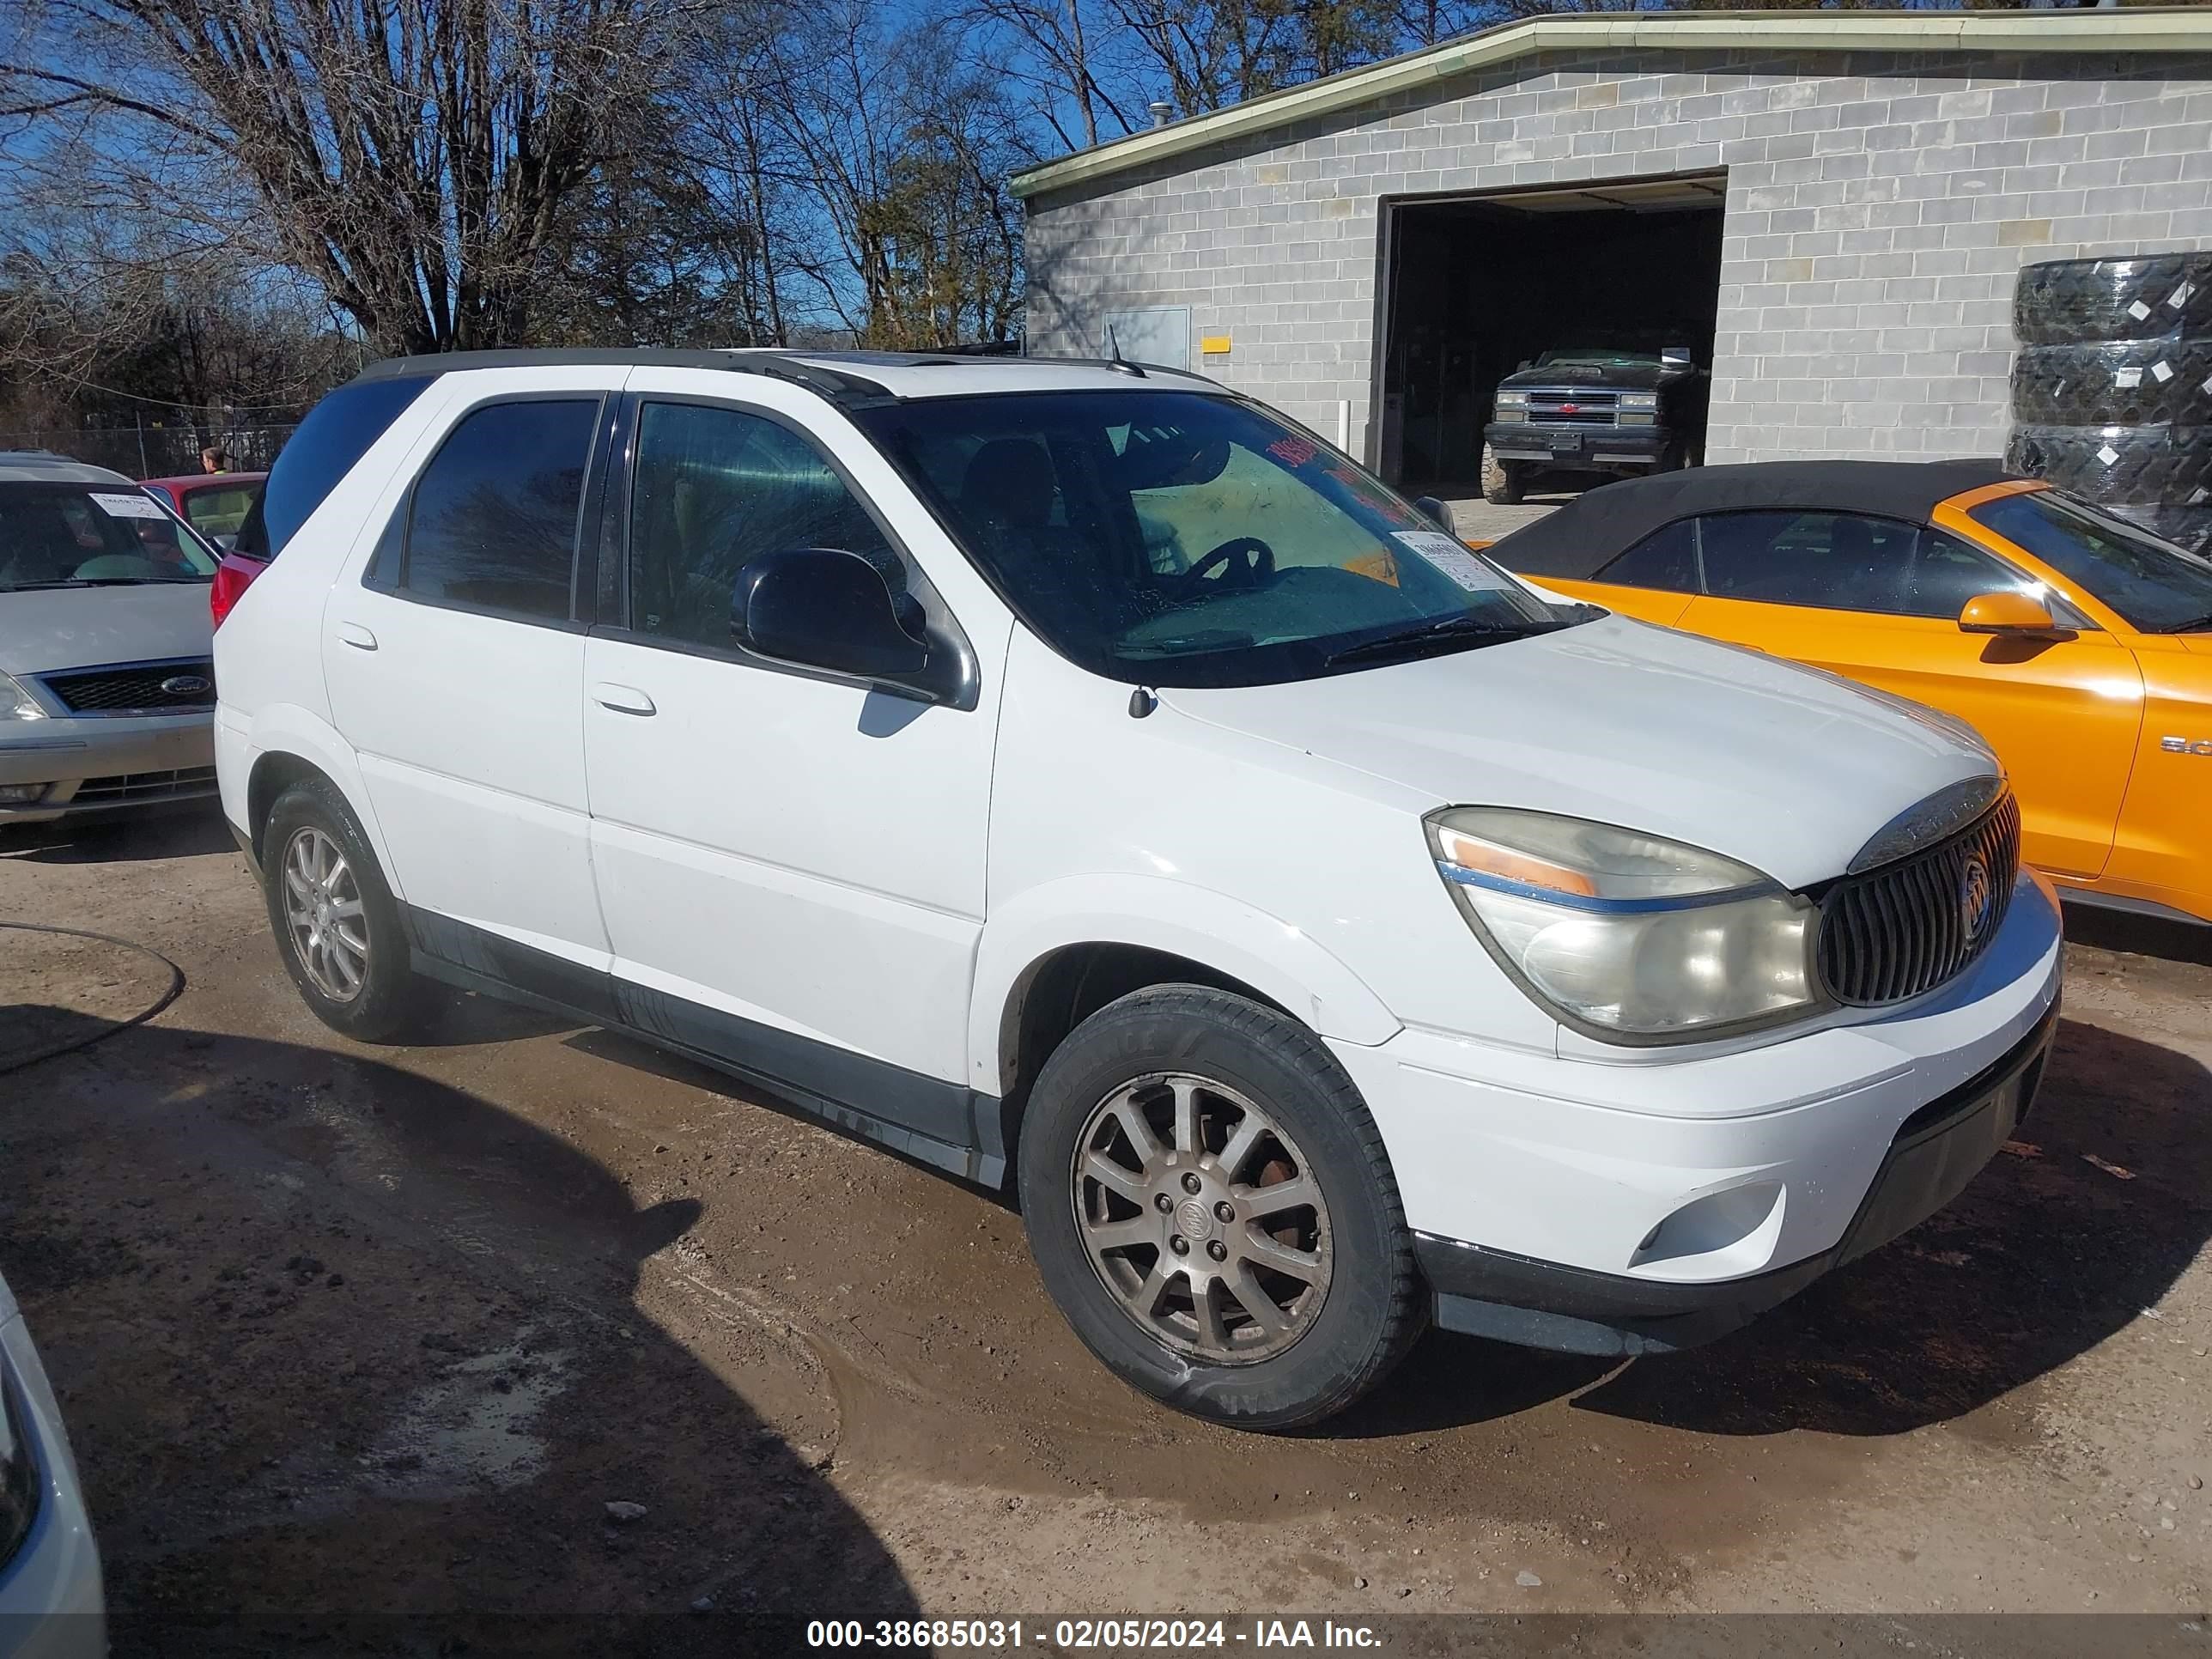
[155, 452]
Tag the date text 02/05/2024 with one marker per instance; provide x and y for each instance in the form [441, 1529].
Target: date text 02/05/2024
[1088, 1635]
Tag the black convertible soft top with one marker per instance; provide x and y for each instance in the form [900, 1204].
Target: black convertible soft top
[1583, 537]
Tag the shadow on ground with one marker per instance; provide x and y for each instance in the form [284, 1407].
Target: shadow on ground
[162, 832]
[352, 1361]
[2104, 1200]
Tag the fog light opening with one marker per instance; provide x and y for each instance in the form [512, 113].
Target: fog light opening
[1739, 1221]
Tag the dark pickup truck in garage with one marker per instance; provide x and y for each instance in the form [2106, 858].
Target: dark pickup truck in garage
[1615, 410]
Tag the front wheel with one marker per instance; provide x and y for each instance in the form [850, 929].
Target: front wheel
[1501, 480]
[1209, 1203]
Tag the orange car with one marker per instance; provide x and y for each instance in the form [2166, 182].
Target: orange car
[2080, 646]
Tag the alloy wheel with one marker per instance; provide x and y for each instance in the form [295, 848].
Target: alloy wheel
[1202, 1218]
[323, 912]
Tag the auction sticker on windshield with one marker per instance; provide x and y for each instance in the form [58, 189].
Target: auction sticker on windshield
[1454, 560]
[127, 507]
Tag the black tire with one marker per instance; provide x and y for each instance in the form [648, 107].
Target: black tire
[2129, 465]
[1372, 1306]
[2166, 381]
[392, 1000]
[1503, 482]
[2068, 301]
[2187, 527]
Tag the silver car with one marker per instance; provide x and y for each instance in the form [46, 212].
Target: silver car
[106, 676]
[52, 1602]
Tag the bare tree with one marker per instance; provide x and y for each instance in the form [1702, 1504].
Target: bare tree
[1215, 53]
[415, 157]
[1049, 46]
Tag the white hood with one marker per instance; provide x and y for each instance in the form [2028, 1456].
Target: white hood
[48, 629]
[1788, 769]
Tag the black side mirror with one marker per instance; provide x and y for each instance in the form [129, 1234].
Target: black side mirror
[1526, 363]
[821, 608]
[1437, 514]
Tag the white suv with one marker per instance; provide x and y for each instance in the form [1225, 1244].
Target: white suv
[1080, 775]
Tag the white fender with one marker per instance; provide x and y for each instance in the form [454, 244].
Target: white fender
[1153, 913]
[287, 728]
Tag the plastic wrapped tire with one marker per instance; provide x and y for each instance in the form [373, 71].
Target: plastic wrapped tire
[2069, 301]
[2189, 527]
[2166, 381]
[2130, 465]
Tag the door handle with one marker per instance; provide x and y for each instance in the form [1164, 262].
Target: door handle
[622, 699]
[354, 635]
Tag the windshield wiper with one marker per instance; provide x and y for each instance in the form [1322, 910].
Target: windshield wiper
[1449, 629]
[2194, 625]
[101, 581]
[1212, 639]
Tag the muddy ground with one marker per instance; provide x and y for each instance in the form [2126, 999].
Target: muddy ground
[347, 1332]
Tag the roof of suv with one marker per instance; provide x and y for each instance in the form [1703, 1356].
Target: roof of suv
[848, 378]
[43, 466]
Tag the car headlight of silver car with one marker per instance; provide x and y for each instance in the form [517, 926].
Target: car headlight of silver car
[1625, 936]
[16, 703]
[19, 1470]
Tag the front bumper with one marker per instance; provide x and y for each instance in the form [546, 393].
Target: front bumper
[52, 1605]
[98, 765]
[1643, 1200]
[1571, 445]
[1541, 1304]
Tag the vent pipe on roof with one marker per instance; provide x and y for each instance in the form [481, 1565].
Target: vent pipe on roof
[1163, 112]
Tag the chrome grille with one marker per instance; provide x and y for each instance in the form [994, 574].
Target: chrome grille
[131, 787]
[136, 688]
[1903, 928]
[1569, 406]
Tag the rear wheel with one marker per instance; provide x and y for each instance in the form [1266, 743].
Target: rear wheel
[1502, 483]
[338, 926]
[1210, 1205]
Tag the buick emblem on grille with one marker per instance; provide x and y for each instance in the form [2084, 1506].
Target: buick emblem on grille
[1975, 896]
[186, 685]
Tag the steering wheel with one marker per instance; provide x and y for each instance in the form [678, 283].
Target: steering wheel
[1258, 561]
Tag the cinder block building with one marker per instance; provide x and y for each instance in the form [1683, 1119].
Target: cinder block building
[1830, 208]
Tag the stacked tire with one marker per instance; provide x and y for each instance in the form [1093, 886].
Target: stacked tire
[2112, 390]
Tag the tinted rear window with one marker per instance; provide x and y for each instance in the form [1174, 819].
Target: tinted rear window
[494, 519]
[336, 432]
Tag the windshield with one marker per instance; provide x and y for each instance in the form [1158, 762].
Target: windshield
[2154, 585]
[1174, 538]
[72, 535]
[1602, 356]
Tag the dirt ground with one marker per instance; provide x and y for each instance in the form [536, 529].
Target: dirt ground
[346, 1333]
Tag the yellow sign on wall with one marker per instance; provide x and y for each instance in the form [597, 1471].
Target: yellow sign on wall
[1213, 345]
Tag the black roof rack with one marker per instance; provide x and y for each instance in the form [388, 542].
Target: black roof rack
[835, 384]
[821, 372]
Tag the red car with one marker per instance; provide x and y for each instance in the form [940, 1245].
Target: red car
[213, 503]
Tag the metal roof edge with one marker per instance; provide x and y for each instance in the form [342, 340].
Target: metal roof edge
[2104, 32]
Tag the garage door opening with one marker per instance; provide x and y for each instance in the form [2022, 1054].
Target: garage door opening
[1479, 287]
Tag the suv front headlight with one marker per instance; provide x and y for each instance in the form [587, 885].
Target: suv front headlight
[1512, 399]
[16, 703]
[1627, 937]
[1639, 400]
